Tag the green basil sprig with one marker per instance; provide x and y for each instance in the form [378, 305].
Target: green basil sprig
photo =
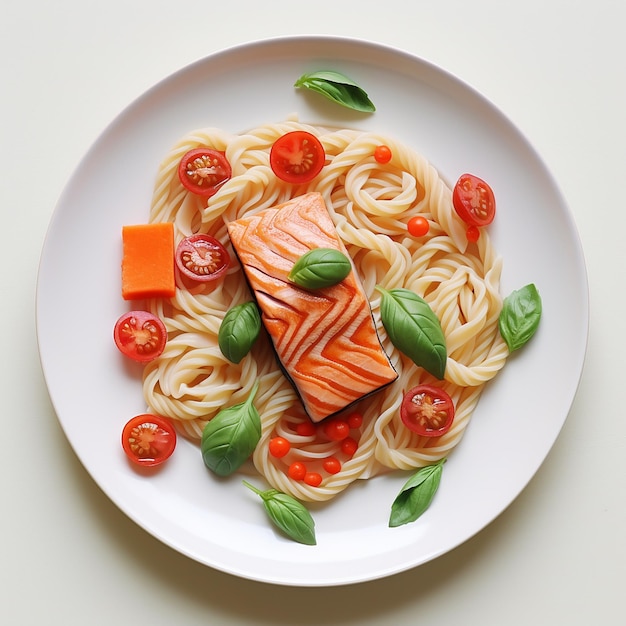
[231, 436]
[414, 329]
[520, 316]
[416, 495]
[338, 88]
[320, 267]
[239, 330]
[288, 514]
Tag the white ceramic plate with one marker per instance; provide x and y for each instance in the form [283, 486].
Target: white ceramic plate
[94, 391]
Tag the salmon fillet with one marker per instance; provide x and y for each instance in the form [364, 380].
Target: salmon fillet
[325, 339]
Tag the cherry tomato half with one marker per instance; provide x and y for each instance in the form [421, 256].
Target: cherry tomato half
[297, 157]
[473, 200]
[148, 440]
[203, 171]
[140, 335]
[427, 411]
[201, 258]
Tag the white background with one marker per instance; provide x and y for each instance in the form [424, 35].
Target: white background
[555, 556]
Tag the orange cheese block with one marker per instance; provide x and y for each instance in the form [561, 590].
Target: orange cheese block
[148, 261]
[325, 339]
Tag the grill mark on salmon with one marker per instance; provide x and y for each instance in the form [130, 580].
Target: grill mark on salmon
[325, 339]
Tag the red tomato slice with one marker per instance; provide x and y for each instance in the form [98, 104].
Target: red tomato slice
[202, 258]
[148, 440]
[427, 411]
[203, 171]
[297, 157]
[140, 335]
[474, 201]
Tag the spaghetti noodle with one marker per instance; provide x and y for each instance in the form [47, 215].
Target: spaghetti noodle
[370, 204]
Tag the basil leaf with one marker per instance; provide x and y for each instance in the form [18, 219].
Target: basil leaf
[520, 316]
[239, 330]
[414, 329]
[288, 514]
[231, 436]
[321, 267]
[338, 88]
[416, 495]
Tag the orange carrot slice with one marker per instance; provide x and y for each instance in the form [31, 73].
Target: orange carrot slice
[148, 261]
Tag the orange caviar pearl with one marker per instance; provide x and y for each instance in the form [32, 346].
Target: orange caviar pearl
[355, 420]
[313, 479]
[382, 154]
[349, 446]
[305, 429]
[418, 226]
[297, 470]
[336, 429]
[279, 447]
[332, 465]
[472, 233]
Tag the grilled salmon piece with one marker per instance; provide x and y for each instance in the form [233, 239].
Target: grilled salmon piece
[325, 339]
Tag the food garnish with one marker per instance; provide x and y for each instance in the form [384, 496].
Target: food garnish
[382, 154]
[418, 226]
[319, 268]
[140, 335]
[474, 200]
[202, 171]
[427, 411]
[297, 157]
[231, 436]
[520, 316]
[338, 88]
[148, 261]
[416, 495]
[414, 329]
[148, 440]
[239, 330]
[288, 514]
[201, 258]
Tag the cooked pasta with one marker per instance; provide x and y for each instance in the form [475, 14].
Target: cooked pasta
[370, 205]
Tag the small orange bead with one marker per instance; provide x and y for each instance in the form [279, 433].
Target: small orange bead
[279, 447]
[472, 234]
[297, 471]
[332, 465]
[418, 226]
[382, 154]
[313, 479]
[349, 446]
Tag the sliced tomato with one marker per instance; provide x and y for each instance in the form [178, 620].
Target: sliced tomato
[297, 157]
[148, 440]
[201, 258]
[427, 411]
[474, 200]
[140, 335]
[203, 171]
